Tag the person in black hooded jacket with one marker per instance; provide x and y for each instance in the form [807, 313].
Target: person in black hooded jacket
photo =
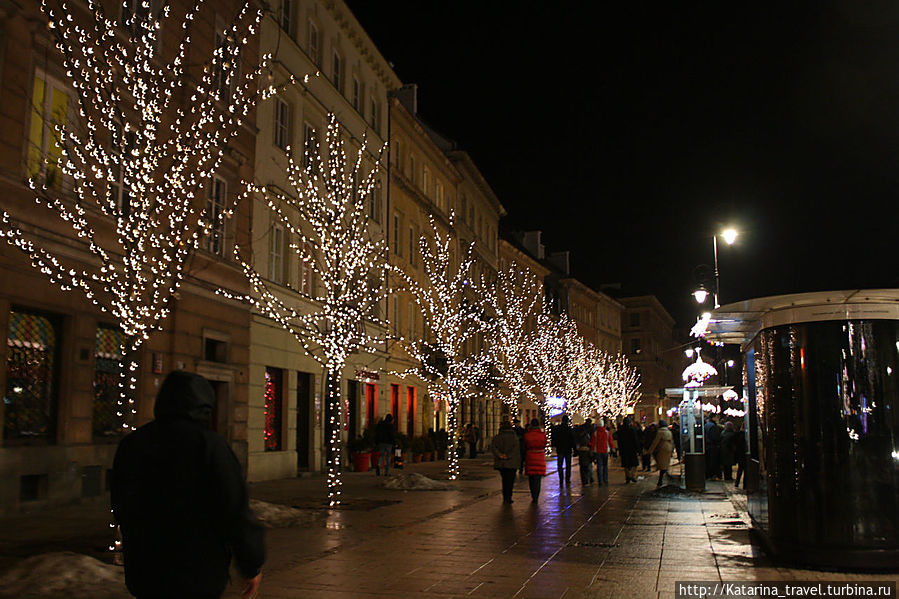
[179, 497]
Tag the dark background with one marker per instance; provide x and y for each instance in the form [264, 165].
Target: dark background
[629, 133]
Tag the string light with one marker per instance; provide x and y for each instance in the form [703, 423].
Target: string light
[326, 210]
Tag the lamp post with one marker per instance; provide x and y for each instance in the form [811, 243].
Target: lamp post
[729, 236]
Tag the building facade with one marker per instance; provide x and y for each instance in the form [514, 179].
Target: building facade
[61, 355]
[647, 337]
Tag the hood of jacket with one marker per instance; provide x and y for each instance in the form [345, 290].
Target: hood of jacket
[184, 395]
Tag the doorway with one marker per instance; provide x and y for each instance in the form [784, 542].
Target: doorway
[371, 405]
[304, 407]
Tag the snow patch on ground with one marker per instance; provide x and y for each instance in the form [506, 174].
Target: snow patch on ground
[63, 573]
[411, 481]
[273, 515]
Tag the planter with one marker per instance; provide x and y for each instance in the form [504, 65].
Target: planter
[362, 461]
[416, 457]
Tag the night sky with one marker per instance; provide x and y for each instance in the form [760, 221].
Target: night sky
[630, 133]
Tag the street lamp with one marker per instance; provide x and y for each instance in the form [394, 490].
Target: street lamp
[729, 236]
[701, 294]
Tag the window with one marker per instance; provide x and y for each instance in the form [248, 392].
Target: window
[121, 144]
[635, 319]
[412, 239]
[411, 320]
[357, 94]
[438, 194]
[286, 17]
[635, 345]
[310, 144]
[464, 208]
[412, 169]
[276, 254]
[50, 103]
[274, 393]
[374, 117]
[337, 72]
[106, 422]
[398, 154]
[395, 321]
[282, 124]
[306, 270]
[425, 180]
[471, 216]
[227, 67]
[30, 399]
[396, 234]
[315, 44]
[136, 16]
[215, 214]
[374, 202]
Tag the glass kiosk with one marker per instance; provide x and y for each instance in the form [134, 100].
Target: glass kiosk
[691, 417]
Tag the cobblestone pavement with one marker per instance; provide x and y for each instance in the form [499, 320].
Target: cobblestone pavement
[610, 541]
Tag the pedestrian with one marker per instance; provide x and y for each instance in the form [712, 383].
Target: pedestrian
[712, 434]
[628, 449]
[583, 437]
[519, 430]
[600, 446]
[471, 437]
[535, 457]
[179, 497]
[649, 434]
[563, 441]
[740, 452]
[661, 449]
[728, 450]
[385, 439]
[506, 457]
[674, 427]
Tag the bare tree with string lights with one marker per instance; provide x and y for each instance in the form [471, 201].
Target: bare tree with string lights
[513, 301]
[325, 211]
[452, 317]
[128, 172]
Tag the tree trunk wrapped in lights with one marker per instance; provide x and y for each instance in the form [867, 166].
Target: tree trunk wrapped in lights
[326, 210]
[513, 301]
[452, 318]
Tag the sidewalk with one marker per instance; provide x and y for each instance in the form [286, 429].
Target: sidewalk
[615, 541]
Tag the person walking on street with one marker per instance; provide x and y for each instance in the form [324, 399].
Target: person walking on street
[385, 439]
[535, 457]
[712, 433]
[661, 449]
[674, 427]
[628, 448]
[179, 497]
[728, 450]
[649, 434]
[583, 436]
[506, 457]
[519, 430]
[599, 443]
[471, 437]
[563, 441]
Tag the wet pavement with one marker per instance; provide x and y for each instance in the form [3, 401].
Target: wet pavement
[609, 541]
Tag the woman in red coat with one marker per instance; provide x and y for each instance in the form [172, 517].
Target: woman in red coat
[535, 457]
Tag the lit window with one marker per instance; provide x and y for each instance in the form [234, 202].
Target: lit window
[337, 72]
[315, 47]
[310, 144]
[121, 145]
[357, 94]
[276, 254]
[306, 270]
[50, 108]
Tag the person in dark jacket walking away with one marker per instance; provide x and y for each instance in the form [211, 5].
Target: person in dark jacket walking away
[649, 435]
[385, 439]
[583, 436]
[179, 497]
[519, 430]
[628, 448]
[728, 450]
[506, 457]
[712, 433]
[563, 441]
[535, 457]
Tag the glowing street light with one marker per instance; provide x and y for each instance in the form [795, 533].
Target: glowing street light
[729, 236]
[701, 294]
